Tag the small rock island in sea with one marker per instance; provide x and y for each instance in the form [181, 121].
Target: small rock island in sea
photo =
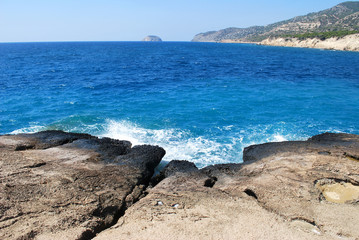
[152, 38]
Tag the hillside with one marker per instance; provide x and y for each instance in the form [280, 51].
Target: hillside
[342, 18]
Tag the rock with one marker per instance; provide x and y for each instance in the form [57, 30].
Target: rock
[57, 185]
[346, 43]
[72, 186]
[178, 166]
[174, 167]
[338, 191]
[281, 191]
[152, 38]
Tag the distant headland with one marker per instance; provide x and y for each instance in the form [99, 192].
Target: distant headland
[334, 28]
[152, 38]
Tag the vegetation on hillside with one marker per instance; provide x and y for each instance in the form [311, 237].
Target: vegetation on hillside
[338, 21]
[321, 35]
[354, 5]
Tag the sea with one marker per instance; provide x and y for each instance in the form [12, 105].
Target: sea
[202, 102]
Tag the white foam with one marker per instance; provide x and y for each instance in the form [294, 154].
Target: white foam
[31, 129]
[279, 138]
[70, 102]
[179, 144]
[202, 150]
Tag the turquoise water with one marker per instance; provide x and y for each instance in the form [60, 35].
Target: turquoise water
[202, 102]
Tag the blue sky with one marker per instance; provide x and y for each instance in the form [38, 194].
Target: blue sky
[111, 20]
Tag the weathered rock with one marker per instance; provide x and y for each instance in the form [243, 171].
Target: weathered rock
[346, 43]
[178, 166]
[57, 185]
[282, 191]
[152, 38]
[174, 167]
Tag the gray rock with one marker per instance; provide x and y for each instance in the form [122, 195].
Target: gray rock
[174, 167]
[71, 186]
[288, 190]
[57, 185]
[178, 166]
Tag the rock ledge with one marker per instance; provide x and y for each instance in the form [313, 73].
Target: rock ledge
[288, 190]
[57, 185]
[75, 186]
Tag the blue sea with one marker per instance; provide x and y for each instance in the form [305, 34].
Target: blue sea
[202, 102]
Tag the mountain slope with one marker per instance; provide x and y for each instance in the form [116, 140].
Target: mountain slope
[342, 17]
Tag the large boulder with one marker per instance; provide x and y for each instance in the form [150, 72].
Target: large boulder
[289, 190]
[57, 185]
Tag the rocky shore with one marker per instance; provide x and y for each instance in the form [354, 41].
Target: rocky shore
[57, 185]
[347, 43]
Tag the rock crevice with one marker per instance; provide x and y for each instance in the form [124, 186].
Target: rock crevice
[282, 190]
[81, 187]
[70, 186]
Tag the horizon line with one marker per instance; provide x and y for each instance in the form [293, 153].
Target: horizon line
[74, 41]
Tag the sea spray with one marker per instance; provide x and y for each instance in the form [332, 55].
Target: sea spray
[179, 144]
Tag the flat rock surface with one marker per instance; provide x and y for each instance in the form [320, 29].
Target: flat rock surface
[56, 185]
[289, 190]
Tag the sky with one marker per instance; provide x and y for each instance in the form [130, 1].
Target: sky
[132, 20]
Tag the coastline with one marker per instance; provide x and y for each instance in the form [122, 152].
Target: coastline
[347, 43]
[77, 186]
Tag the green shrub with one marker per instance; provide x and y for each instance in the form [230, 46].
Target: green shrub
[321, 35]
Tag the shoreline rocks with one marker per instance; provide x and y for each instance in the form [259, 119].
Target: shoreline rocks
[279, 192]
[57, 185]
[76, 186]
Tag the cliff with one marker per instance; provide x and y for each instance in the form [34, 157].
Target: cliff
[347, 43]
[338, 21]
[75, 186]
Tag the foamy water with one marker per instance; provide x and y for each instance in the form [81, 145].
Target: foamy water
[180, 144]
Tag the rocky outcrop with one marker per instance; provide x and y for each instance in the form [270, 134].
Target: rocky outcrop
[288, 190]
[57, 185]
[347, 43]
[152, 38]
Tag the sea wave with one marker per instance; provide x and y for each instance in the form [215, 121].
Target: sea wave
[30, 129]
[180, 144]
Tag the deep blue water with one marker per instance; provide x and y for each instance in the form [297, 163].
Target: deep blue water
[200, 101]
